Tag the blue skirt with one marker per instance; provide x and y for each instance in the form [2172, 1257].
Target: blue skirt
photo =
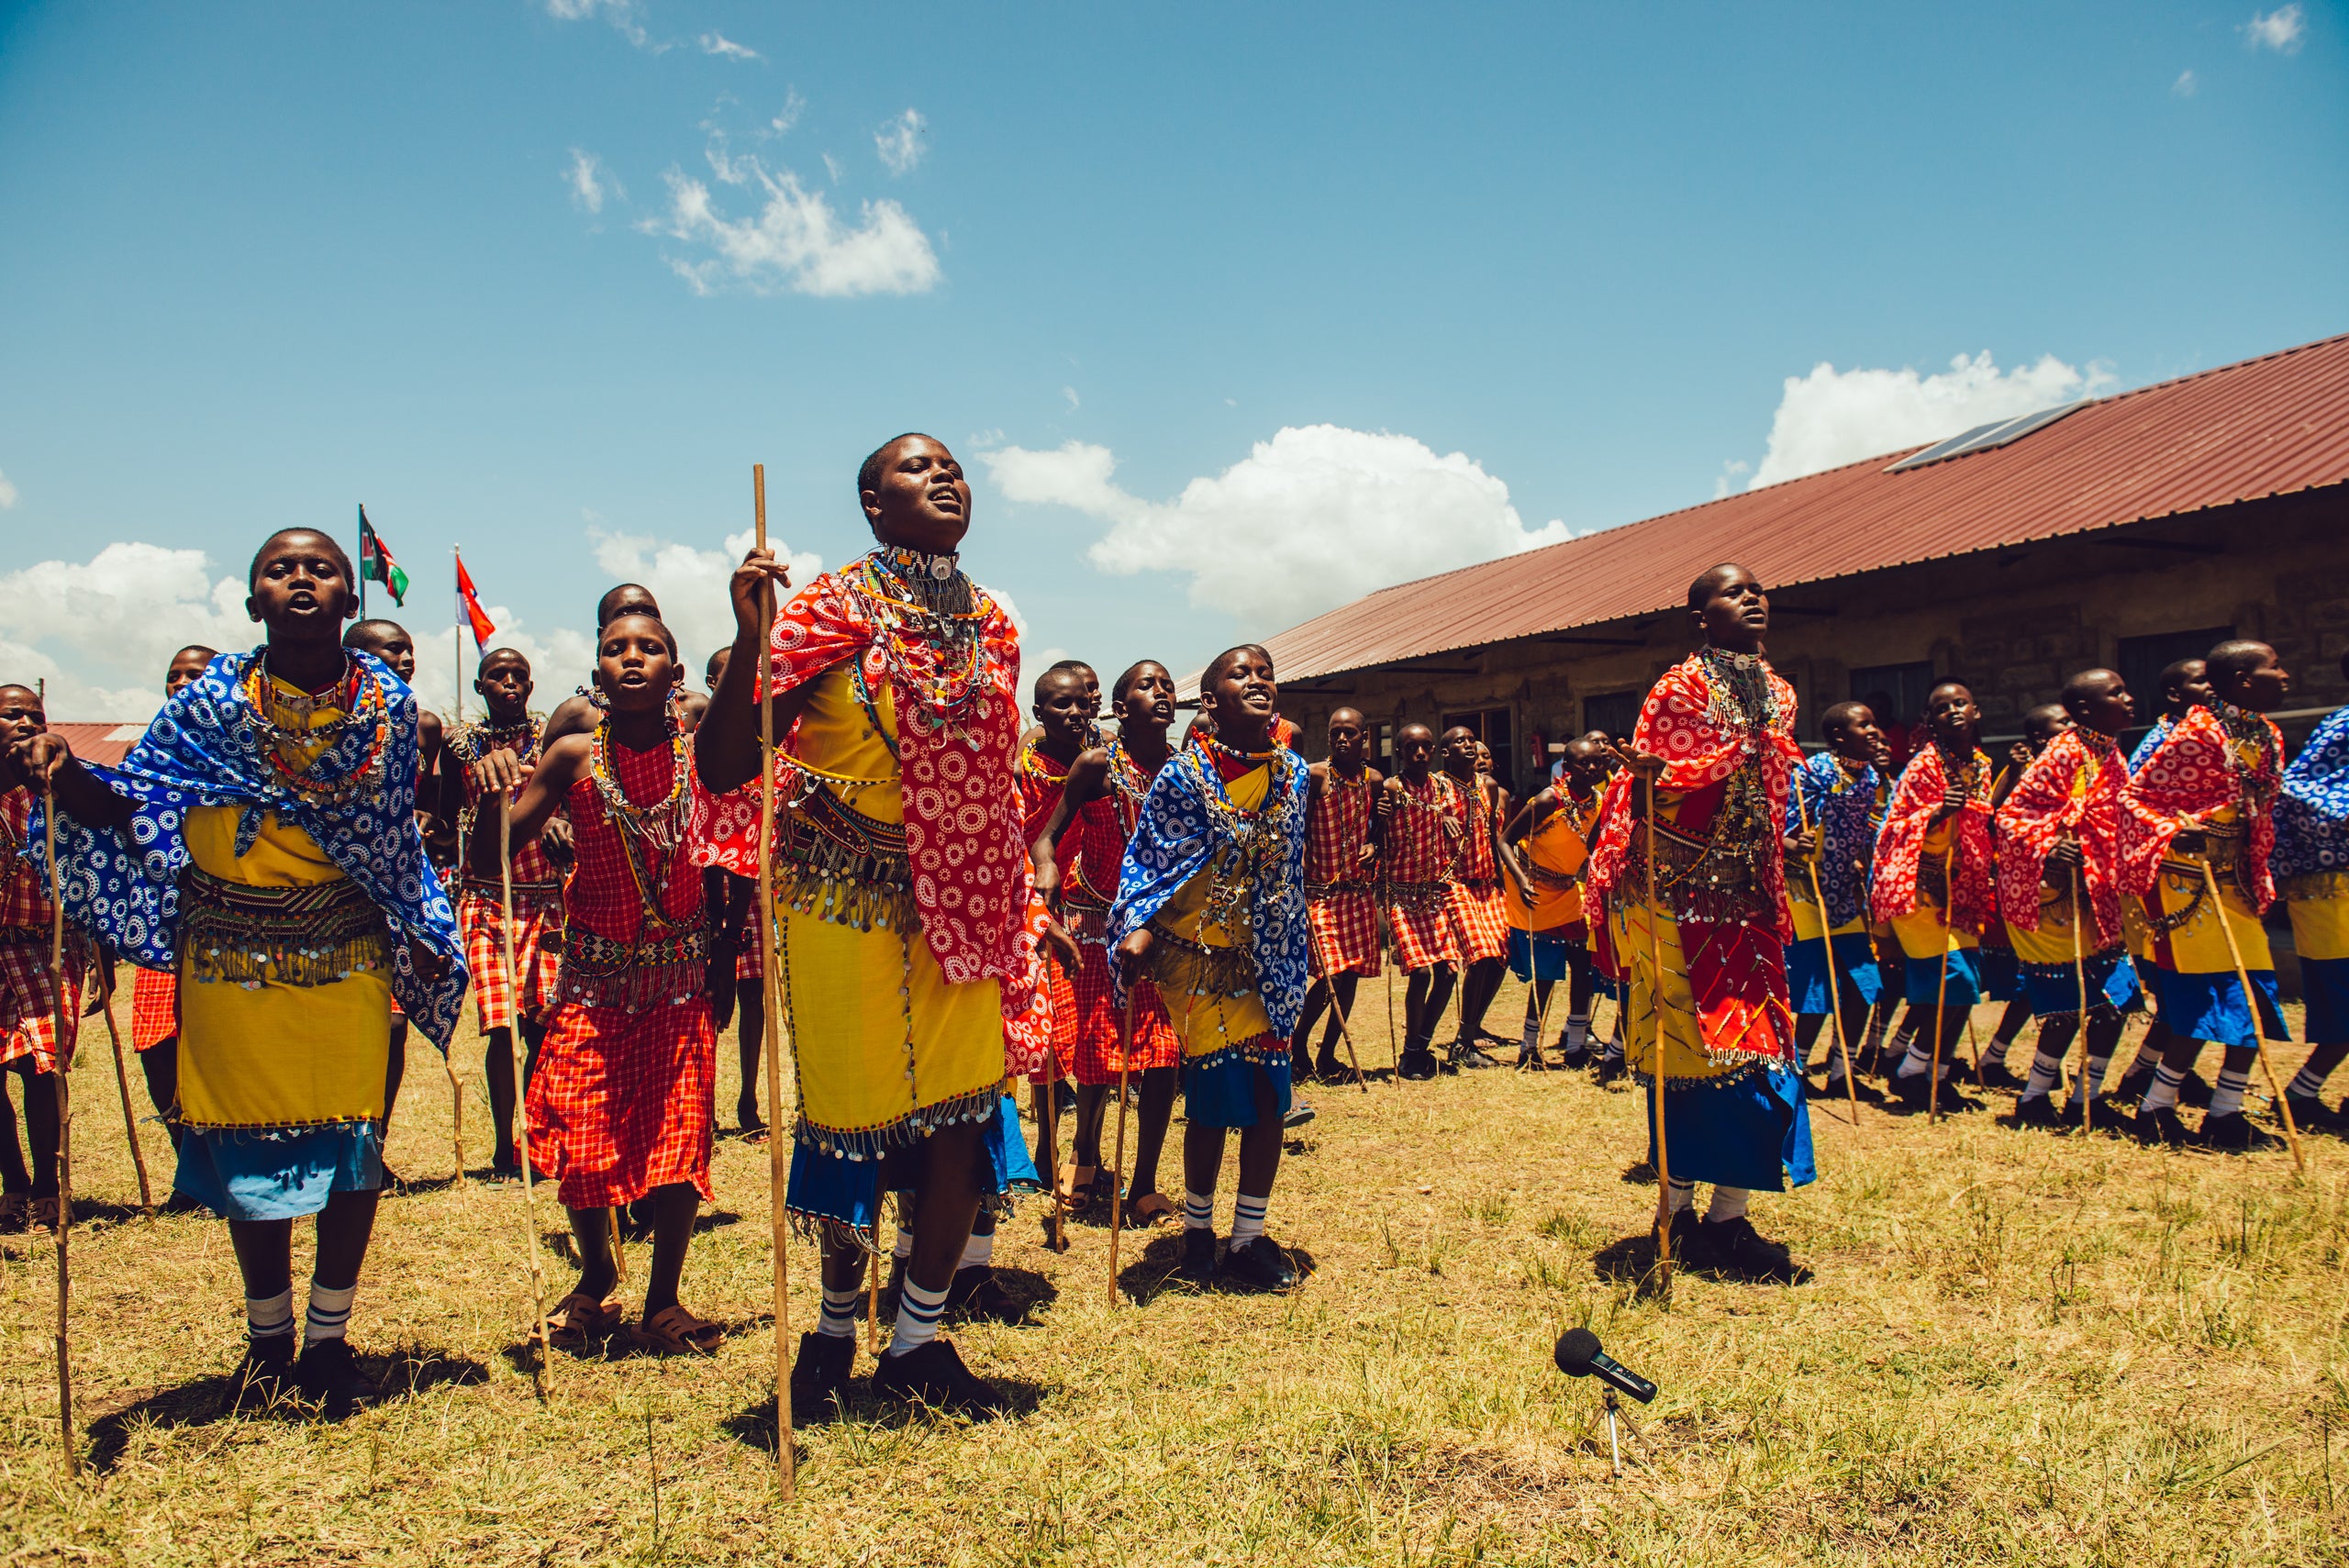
[2326, 982]
[1964, 980]
[1751, 1129]
[1220, 1089]
[2210, 1006]
[278, 1174]
[1539, 955]
[1856, 972]
[2002, 976]
[2053, 989]
[835, 1191]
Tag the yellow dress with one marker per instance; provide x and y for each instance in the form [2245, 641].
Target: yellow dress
[1209, 1022]
[2197, 943]
[1924, 931]
[878, 1031]
[266, 1054]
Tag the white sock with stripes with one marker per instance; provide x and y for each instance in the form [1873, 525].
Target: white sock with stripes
[2226, 1094]
[919, 1311]
[1247, 1217]
[1729, 1203]
[269, 1317]
[978, 1252]
[2306, 1084]
[2091, 1080]
[329, 1313]
[838, 1318]
[2161, 1094]
[1198, 1211]
[2044, 1071]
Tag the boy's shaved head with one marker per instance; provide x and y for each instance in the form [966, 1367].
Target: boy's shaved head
[324, 543]
[1842, 714]
[497, 656]
[197, 650]
[2232, 659]
[19, 693]
[625, 596]
[369, 636]
[1058, 677]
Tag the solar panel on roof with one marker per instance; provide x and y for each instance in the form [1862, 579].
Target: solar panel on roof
[1982, 438]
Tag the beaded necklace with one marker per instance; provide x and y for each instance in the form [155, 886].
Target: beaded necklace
[474, 741]
[641, 827]
[932, 622]
[1248, 839]
[359, 698]
[2247, 733]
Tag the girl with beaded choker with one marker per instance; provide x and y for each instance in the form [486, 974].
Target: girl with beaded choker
[260, 842]
[901, 898]
[618, 1108]
[1211, 908]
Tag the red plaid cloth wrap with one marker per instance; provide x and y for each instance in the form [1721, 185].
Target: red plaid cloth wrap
[1737, 965]
[1093, 853]
[1341, 898]
[481, 918]
[750, 952]
[1479, 909]
[472, 742]
[1900, 844]
[154, 1008]
[1041, 1046]
[1416, 855]
[2076, 786]
[2203, 765]
[621, 1101]
[27, 1011]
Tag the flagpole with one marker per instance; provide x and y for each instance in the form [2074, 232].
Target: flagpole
[457, 636]
[362, 561]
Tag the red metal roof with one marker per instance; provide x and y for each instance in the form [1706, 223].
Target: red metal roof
[107, 743]
[2265, 427]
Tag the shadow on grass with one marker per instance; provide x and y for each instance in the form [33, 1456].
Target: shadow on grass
[1642, 1173]
[753, 1425]
[399, 1375]
[1151, 1271]
[1633, 1261]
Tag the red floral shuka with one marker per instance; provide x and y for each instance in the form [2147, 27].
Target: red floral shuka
[2212, 759]
[2074, 787]
[1901, 842]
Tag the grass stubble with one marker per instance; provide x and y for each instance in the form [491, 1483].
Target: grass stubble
[2017, 1348]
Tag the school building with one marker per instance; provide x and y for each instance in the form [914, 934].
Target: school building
[2125, 532]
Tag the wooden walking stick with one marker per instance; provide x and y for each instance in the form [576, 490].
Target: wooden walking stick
[2080, 975]
[1117, 1170]
[1052, 1130]
[1827, 939]
[1394, 1041]
[1941, 1000]
[544, 1369]
[122, 1083]
[778, 1167]
[61, 1061]
[1656, 999]
[2250, 1004]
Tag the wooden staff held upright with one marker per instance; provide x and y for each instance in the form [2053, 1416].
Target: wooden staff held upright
[1827, 937]
[1118, 1172]
[122, 1085]
[2080, 977]
[1656, 999]
[64, 1135]
[543, 1371]
[778, 1168]
[2250, 1005]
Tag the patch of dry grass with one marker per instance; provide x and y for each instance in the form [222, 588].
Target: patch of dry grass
[2017, 1347]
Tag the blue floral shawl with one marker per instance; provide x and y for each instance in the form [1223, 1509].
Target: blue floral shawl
[206, 748]
[2151, 742]
[2312, 812]
[1843, 807]
[1178, 832]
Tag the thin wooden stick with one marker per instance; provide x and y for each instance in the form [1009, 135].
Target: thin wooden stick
[2080, 975]
[1827, 939]
[1656, 997]
[1541, 1004]
[60, 1062]
[2251, 1003]
[456, 1116]
[122, 1083]
[872, 1274]
[1117, 1170]
[1049, 1120]
[1338, 1007]
[1941, 999]
[770, 980]
[1392, 953]
[619, 1246]
[543, 1371]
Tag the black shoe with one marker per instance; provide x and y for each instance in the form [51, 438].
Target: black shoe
[264, 1376]
[1198, 1255]
[1610, 1069]
[819, 1376]
[1573, 1059]
[2039, 1110]
[1686, 1245]
[330, 1374]
[934, 1376]
[2194, 1090]
[2132, 1087]
[2311, 1114]
[2160, 1127]
[1467, 1054]
[1911, 1089]
[1418, 1064]
[1259, 1264]
[1734, 1246]
[2234, 1133]
[1329, 1070]
[976, 1294]
[1297, 1114]
[1997, 1078]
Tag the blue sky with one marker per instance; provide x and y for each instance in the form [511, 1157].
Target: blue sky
[1232, 311]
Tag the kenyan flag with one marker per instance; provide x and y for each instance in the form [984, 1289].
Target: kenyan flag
[375, 562]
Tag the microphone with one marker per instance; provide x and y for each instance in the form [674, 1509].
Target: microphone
[1578, 1355]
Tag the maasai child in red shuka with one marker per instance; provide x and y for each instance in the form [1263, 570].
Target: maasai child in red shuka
[1076, 853]
[2060, 831]
[1066, 712]
[1479, 910]
[1715, 749]
[1423, 815]
[1340, 888]
[29, 1045]
[619, 1106]
[524, 999]
[2207, 796]
[902, 899]
[1932, 885]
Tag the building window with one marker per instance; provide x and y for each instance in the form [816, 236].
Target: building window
[1489, 725]
[2143, 659]
[1386, 749]
[1894, 692]
[1614, 712]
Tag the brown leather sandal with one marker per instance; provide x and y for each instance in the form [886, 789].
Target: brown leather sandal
[579, 1321]
[1147, 1210]
[1075, 1181]
[675, 1331]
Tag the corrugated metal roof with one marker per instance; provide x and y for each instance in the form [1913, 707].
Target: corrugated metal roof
[2265, 427]
[107, 743]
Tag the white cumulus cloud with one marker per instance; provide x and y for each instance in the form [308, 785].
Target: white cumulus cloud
[591, 185]
[101, 631]
[2185, 86]
[1831, 418]
[1314, 516]
[7, 494]
[795, 241]
[727, 48]
[690, 582]
[901, 142]
[621, 14]
[2280, 30]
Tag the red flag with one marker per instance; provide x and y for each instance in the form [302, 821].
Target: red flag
[469, 597]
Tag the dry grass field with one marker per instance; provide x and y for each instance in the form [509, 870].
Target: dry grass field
[2017, 1347]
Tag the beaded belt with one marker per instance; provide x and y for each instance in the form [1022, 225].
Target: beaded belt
[305, 936]
[491, 887]
[1181, 966]
[599, 971]
[1702, 882]
[1331, 889]
[847, 868]
[1418, 895]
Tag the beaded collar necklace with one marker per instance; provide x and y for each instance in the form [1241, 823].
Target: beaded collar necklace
[359, 699]
[1742, 695]
[931, 626]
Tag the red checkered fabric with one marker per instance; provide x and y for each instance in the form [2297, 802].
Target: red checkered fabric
[27, 999]
[481, 917]
[1337, 827]
[472, 744]
[601, 895]
[1479, 920]
[750, 952]
[1345, 933]
[1094, 1055]
[24, 890]
[1417, 854]
[621, 1103]
[1059, 991]
[1475, 863]
[1042, 781]
[154, 1008]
